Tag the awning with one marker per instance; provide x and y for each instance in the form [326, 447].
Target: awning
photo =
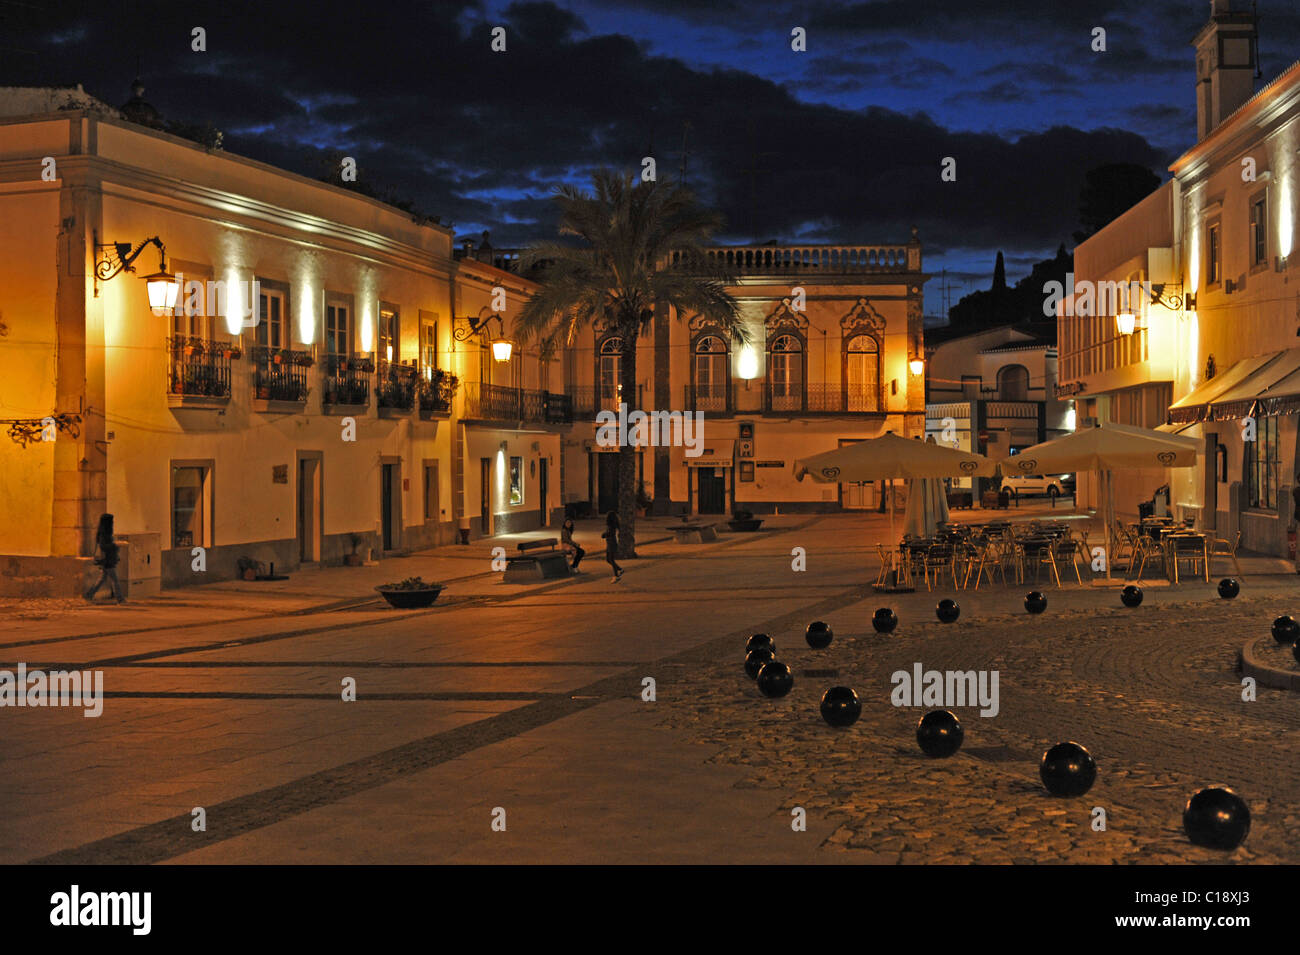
[716, 454]
[1176, 428]
[1195, 406]
[1240, 400]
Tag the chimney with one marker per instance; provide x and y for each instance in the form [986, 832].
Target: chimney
[1227, 64]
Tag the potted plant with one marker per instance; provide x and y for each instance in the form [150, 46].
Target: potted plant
[232, 352]
[277, 358]
[357, 557]
[411, 593]
[743, 520]
[303, 360]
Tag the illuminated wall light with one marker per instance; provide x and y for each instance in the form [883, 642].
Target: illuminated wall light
[916, 366]
[366, 324]
[1070, 419]
[1285, 220]
[1125, 322]
[307, 316]
[747, 363]
[234, 301]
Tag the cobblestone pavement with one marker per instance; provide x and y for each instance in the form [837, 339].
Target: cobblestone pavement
[1152, 692]
[227, 697]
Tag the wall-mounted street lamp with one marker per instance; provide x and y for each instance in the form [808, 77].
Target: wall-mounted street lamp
[114, 258]
[916, 366]
[502, 347]
[1176, 302]
[1125, 322]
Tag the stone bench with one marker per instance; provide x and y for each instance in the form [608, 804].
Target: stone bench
[549, 564]
[694, 533]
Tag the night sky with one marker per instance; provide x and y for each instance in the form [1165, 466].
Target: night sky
[839, 144]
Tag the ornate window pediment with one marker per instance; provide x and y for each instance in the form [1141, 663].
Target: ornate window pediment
[784, 316]
[863, 315]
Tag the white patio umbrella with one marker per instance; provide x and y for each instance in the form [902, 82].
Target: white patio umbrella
[1106, 448]
[888, 458]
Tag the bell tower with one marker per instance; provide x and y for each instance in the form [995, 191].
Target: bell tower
[1227, 63]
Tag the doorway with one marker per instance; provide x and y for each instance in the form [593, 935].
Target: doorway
[432, 508]
[390, 508]
[607, 489]
[712, 491]
[310, 507]
[544, 516]
[485, 496]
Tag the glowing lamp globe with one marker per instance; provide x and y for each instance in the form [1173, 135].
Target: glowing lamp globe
[916, 365]
[1125, 322]
[501, 349]
[163, 291]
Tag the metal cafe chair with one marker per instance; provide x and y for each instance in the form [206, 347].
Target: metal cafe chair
[1125, 547]
[1064, 551]
[984, 558]
[1146, 549]
[940, 558]
[1219, 547]
[1193, 548]
[886, 565]
[1035, 551]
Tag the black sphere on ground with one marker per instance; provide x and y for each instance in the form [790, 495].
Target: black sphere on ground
[1131, 596]
[819, 634]
[1229, 588]
[939, 734]
[884, 620]
[775, 679]
[947, 611]
[1286, 630]
[1068, 769]
[1216, 819]
[1035, 601]
[841, 706]
[755, 659]
[760, 640]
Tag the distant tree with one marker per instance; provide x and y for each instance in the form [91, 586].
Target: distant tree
[1109, 191]
[1000, 305]
[999, 274]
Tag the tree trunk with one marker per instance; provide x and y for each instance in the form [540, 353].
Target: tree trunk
[627, 477]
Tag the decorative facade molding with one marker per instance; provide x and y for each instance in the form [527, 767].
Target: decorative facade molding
[784, 317]
[863, 316]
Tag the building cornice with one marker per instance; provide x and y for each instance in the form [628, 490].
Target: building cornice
[1264, 107]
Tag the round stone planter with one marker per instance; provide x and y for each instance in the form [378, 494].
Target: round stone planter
[410, 599]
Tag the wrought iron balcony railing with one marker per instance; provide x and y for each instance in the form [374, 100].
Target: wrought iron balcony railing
[396, 386]
[346, 382]
[502, 403]
[198, 367]
[280, 374]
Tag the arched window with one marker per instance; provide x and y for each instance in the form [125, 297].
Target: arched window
[862, 374]
[712, 374]
[785, 373]
[611, 373]
[1013, 383]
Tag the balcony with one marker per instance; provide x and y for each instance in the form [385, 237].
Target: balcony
[279, 378]
[808, 259]
[346, 381]
[821, 399]
[500, 403]
[712, 398]
[587, 401]
[435, 393]
[198, 372]
[395, 390]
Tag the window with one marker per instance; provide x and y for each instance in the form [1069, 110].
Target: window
[1261, 466]
[516, 480]
[429, 347]
[272, 327]
[862, 374]
[1013, 383]
[712, 375]
[1258, 231]
[189, 506]
[338, 330]
[389, 346]
[611, 368]
[786, 373]
[189, 317]
[1213, 260]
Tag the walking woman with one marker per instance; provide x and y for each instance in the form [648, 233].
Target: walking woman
[611, 544]
[105, 542]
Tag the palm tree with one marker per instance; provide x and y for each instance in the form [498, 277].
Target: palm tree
[619, 272]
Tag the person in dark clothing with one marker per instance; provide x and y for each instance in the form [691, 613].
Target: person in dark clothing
[106, 543]
[569, 545]
[611, 544]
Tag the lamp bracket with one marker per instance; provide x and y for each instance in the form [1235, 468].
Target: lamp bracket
[114, 258]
